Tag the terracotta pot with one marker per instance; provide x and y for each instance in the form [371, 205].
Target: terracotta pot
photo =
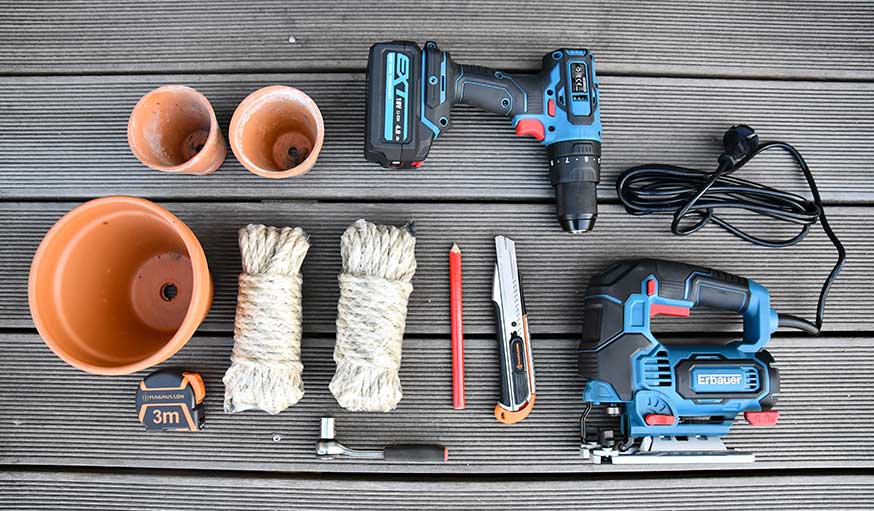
[119, 284]
[174, 129]
[277, 132]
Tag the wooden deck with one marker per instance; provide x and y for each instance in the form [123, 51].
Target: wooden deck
[674, 76]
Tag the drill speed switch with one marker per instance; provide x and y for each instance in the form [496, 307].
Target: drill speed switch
[411, 92]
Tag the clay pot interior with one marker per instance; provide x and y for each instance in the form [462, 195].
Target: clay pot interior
[170, 126]
[113, 287]
[278, 130]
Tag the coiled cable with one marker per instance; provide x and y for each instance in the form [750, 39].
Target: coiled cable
[686, 192]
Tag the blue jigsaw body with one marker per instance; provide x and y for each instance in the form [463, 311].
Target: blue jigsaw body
[684, 389]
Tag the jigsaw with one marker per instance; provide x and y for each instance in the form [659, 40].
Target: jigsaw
[676, 401]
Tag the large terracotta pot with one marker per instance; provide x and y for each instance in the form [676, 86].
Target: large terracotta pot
[277, 132]
[174, 129]
[118, 285]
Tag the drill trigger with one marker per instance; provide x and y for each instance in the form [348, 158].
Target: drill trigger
[531, 127]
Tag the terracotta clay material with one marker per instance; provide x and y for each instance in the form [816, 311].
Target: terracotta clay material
[118, 285]
[174, 129]
[277, 132]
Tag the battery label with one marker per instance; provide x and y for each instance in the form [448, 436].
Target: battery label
[397, 97]
[579, 81]
[578, 76]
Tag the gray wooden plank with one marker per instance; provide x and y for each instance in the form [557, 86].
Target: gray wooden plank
[59, 131]
[52, 414]
[66, 490]
[556, 265]
[803, 39]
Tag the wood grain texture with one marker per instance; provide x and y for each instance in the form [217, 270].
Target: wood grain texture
[556, 266]
[673, 75]
[74, 490]
[61, 131]
[804, 39]
[62, 416]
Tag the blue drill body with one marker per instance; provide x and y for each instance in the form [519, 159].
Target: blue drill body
[683, 389]
[411, 92]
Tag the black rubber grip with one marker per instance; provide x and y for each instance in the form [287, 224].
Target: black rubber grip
[702, 286]
[495, 91]
[418, 453]
[503, 377]
[722, 291]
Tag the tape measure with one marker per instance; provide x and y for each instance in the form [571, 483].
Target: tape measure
[171, 400]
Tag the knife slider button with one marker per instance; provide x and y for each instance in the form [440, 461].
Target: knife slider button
[517, 348]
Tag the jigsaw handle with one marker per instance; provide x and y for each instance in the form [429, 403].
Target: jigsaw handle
[657, 287]
[704, 287]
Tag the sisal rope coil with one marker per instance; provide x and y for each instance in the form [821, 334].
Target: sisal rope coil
[378, 264]
[265, 371]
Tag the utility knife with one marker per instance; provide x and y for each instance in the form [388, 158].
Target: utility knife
[514, 343]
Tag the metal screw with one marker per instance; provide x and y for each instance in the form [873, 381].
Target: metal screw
[277, 437]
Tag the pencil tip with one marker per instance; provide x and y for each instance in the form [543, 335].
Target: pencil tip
[455, 248]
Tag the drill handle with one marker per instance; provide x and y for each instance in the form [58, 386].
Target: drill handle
[494, 91]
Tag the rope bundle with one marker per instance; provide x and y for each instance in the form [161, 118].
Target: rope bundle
[378, 264]
[265, 370]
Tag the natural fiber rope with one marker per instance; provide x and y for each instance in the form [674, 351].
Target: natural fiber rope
[378, 264]
[265, 370]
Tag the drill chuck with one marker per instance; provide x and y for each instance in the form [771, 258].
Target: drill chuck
[574, 170]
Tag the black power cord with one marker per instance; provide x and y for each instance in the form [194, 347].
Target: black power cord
[657, 188]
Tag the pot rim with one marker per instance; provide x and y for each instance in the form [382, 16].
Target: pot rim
[255, 100]
[196, 160]
[200, 294]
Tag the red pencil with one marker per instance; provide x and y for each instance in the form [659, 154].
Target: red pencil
[456, 318]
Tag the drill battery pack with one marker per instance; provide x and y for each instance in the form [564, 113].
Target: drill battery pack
[394, 135]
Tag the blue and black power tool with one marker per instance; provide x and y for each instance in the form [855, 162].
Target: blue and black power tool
[411, 91]
[675, 401]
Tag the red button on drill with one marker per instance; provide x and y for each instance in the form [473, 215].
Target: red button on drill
[531, 127]
[417, 164]
[654, 419]
[550, 107]
[768, 418]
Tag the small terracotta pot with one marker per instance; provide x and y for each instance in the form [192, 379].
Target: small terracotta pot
[277, 132]
[118, 284]
[174, 129]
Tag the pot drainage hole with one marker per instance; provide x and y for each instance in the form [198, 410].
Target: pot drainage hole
[296, 156]
[169, 292]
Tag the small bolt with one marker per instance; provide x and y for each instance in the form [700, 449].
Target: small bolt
[277, 437]
[292, 39]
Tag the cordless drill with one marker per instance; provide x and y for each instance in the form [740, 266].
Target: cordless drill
[411, 91]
